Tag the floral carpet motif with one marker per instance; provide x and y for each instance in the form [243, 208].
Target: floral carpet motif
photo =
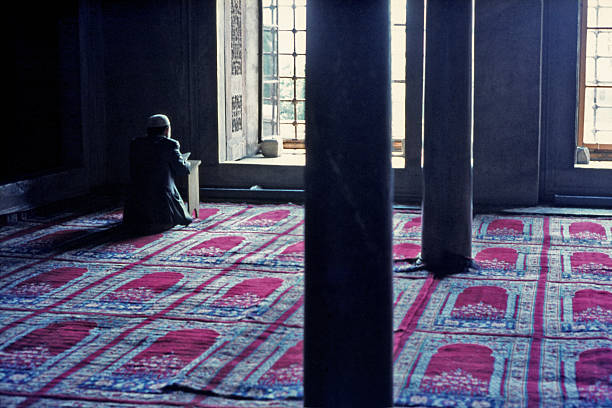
[211, 314]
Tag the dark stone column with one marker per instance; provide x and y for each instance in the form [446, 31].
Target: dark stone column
[447, 168]
[415, 21]
[348, 311]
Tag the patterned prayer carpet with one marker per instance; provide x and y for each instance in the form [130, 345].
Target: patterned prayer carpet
[210, 315]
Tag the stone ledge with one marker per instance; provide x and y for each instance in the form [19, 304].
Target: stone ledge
[31, 193]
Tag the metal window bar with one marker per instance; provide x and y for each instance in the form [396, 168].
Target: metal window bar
[269, 76]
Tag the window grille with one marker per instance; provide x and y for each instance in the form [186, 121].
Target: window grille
[595, 112]
[284, 53]
[283, 72]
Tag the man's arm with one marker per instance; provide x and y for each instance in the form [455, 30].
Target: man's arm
[179, 166]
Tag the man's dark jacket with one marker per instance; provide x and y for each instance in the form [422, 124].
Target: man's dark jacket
[153, 202]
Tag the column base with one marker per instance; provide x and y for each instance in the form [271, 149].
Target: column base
[451, 265]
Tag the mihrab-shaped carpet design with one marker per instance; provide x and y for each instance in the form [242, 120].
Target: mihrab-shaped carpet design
[210, 315]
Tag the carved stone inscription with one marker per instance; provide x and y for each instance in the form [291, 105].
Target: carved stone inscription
[236, 113]
[236, 36]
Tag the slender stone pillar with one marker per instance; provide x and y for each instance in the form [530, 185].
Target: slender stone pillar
[348, 301]
[447, 146]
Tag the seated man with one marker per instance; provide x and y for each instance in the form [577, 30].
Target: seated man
[153, 202]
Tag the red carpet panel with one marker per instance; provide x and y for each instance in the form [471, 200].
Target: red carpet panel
[211, 315]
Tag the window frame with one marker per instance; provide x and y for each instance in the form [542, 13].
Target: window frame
[598, 151]
[297, 102]
[398, 141]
